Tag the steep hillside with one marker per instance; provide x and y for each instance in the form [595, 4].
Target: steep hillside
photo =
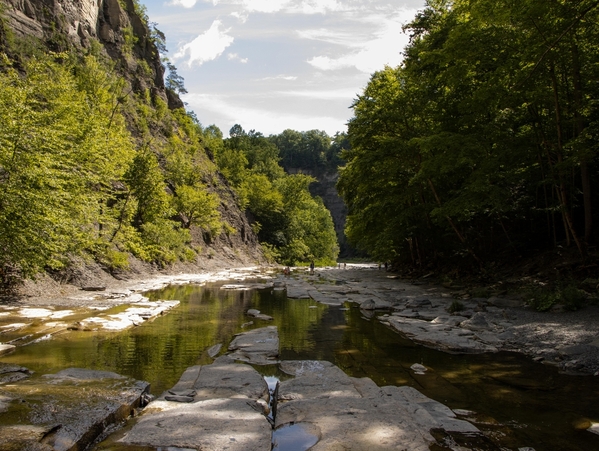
[99, 161]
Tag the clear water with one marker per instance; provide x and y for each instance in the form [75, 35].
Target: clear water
[518, 403]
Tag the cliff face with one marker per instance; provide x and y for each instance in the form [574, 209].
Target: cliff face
[120, 27]
[106, 21]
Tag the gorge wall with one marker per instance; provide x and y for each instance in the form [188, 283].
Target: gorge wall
[120, 29]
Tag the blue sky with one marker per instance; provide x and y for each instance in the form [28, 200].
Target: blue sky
[270, 65]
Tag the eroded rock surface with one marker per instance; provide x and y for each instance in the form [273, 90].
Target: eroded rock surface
[65, 411]
[257, 346]
[212, 408]
[357, 415]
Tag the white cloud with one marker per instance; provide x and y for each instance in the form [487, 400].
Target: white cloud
[343, 93]
[368, 54]
[265, 6]
[183, 3]
[206, 47]
[279, 77]
[287, 6]
[236, 57]
[222, 110]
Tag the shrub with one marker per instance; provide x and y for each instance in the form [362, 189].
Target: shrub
[456, 306]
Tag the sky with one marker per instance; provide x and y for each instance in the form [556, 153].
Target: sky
[271, 65]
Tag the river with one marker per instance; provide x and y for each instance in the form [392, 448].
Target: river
[516, 402]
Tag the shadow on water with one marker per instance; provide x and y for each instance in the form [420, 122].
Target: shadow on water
[516, 402]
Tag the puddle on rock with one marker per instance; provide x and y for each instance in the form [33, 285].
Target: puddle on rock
[295, 437]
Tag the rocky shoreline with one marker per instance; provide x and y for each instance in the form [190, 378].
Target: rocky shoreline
[417, 309]
[319, 394]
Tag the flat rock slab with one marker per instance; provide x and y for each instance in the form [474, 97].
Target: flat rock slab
[221, 406]
[133, 316]
[210, 425]
[358, 415]
[257, 346]
[440, 336]
[67, 410]
[6, 349]
[315, 380]
[227, 379]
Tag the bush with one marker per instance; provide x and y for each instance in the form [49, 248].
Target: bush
[456, 306]
[572, 298]
[542, 299]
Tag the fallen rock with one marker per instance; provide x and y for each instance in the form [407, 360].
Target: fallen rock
[477, 322]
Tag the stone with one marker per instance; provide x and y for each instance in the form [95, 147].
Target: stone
[257, 346]
[368, 305]
[477, 322]
[418, 368]
[68, 410]
[226, 379]
[214, 350]
[355, 415]
[230, 424]
[576, 349]
[439, 336]
[6, 348]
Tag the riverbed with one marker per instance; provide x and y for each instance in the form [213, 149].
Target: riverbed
[517, 402]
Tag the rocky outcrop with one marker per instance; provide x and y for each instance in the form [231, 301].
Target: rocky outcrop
[225, 405]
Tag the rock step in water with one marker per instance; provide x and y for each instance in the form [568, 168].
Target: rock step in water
[63, 411]
[225, 406]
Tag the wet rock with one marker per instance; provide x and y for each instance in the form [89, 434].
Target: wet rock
[439, 336]
[368, 305]
[257, 346]
[256, 314]
[214, 350]
[359, 414]
[12, 373]
[67, 410]
[178, 398]
[418, 368]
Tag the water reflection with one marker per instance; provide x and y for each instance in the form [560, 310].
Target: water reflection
[517, 402]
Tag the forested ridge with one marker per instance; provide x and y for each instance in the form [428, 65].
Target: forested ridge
[480, 149]
[100, 161]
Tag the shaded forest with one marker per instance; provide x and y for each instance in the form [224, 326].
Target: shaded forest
[480, 150]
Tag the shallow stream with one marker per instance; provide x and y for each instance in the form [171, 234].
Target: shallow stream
[518, 403]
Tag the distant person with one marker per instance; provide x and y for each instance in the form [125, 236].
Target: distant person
[386, 266]
[312, 268]
[344, 265]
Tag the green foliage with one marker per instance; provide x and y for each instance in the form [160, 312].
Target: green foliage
[199, 208]
[292, 226]
[74, 180]
[456, 306]
[58, 153]
[313, 150]
[478, 144]
[542, 299]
